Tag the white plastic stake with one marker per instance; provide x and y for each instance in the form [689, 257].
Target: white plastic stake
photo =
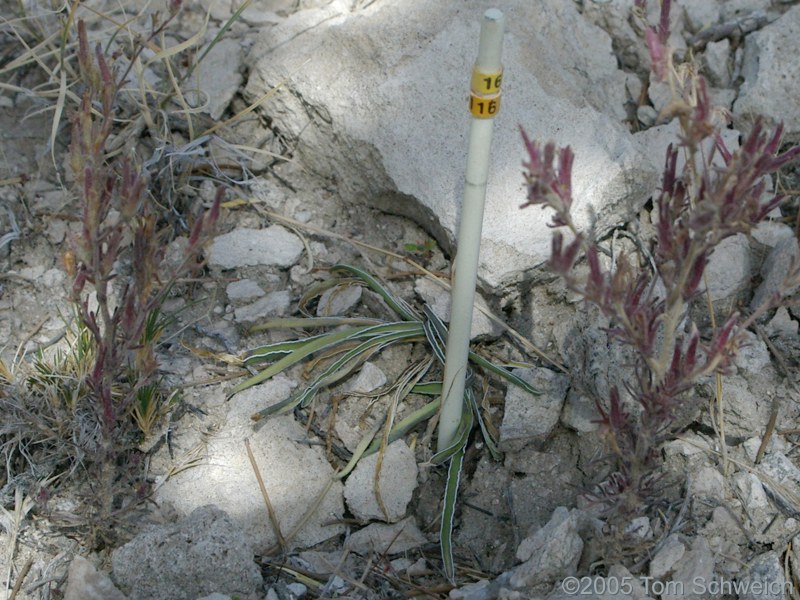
[484, 104]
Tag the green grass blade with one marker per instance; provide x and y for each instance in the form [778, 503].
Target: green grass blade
[279, 407]
[312, 323]
[319, 343]
[398, 305]
[436, 333]
[429, 388]
[270, 352]
[358, 453]
[491, 445]
[303, 351]
[504, 373]
[343, 365]
[354, 357]
[407, 424]
[459, 439]
[225, 26]
[449, 512]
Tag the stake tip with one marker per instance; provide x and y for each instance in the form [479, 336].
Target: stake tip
[493, 14]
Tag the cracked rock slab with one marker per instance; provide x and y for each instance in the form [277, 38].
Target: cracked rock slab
[398, 480]
[552, 552]
[85, 582]
[349, 102]
[531, 418]
[771, 81]
[272, 246]
[204, 553]
[386, 539]
[294, 474]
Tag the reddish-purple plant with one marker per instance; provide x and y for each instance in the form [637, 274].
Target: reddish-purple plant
[120, 233]
[698, 206]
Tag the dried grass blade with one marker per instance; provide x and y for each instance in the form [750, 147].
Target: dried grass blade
[273, 517]
[187, 111]
[227, 25]
[306, 516]
[320, 287]
[436, 332]
[62, 95]
[31, 54]
[194, 40]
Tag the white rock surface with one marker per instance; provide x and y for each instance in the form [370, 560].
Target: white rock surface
[381, 539]
[552, 552]
[700, 15]
[272, 246]
[296, 590]
[717, 63]
[530, 418]
[772, 80]
[353, 418]
[294, 473]
[204, 553]
[580, 412]
[753, 355]
[671, 551]
[353, 102]
[85, 582]
[774, 270]
[692, 573]
[782, 324]
[398, 480]
[729, 269]
[338, 301]
[781, 473]
[747, 406]
[218, 77]
[244, 289]
[752, 493]
[369, 378]
[708, 482]
[274, 304]
[765, 578]
[770, 233]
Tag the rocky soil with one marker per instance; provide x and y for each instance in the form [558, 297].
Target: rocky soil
[350, 168]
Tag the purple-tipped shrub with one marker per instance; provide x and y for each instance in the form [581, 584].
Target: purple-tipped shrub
[699, 205]
[119, 234]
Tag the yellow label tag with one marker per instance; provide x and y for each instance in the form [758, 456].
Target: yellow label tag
[484, 107]
[486, 83]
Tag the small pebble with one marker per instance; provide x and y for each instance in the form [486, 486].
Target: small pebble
[297, 590]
